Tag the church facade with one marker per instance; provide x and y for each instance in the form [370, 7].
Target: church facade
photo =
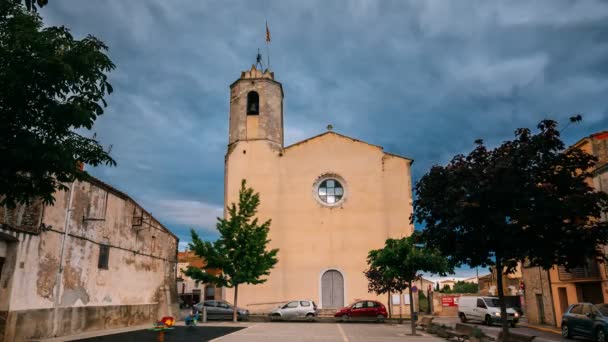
[331, 199]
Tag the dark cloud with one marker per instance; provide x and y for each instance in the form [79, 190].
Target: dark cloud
[422, 78]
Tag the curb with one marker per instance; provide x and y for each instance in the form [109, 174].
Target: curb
[544, 329]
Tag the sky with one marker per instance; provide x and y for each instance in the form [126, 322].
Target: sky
[424, 79]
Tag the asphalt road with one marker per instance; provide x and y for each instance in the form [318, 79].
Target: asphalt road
[178, 334]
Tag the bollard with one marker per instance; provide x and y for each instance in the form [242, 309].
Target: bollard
[204, 314]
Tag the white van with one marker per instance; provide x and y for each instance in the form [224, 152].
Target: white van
[485, 309]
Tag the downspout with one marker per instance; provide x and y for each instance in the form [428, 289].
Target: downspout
[58, 283]
[552, 299]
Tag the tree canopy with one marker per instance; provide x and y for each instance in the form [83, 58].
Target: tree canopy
[32, 5]
[52, 87]
[403, 259]
[463, 287]
[240, 252]
[527, 200]
[381, 282]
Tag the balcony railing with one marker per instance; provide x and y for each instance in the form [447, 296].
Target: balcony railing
[589, 270]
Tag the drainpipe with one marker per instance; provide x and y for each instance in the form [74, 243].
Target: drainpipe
[68, 212]
[552, 299]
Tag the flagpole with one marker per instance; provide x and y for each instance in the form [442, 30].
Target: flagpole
[268, 45]
[268, 54]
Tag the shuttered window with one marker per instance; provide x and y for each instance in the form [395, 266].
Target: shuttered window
[104, 256]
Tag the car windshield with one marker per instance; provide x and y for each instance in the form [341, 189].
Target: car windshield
[492, 302]
[602, 308]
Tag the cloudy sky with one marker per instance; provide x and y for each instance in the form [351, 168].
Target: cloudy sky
[422, 78]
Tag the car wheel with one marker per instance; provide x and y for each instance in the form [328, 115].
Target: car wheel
[488, 320]
[601, 335]
[566, 331]
[310, 317]
[379, 318]
[463, 318]
[513, 324]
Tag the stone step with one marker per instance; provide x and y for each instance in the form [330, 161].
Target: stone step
[326, 312]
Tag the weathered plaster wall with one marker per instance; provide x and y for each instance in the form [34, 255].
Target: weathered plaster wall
[141, 265]
[537, 284]
[312, 237]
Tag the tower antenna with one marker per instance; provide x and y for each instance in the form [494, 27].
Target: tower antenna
[258, 61]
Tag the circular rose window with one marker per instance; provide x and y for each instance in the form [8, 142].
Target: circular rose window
[330, 191]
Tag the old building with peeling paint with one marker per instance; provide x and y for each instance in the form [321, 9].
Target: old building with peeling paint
[94, 260]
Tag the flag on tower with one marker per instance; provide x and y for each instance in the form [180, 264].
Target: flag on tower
[267, 33]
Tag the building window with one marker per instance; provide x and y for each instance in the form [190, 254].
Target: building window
[330, 191]
[104, 256]
[209, 292]
[253, 103]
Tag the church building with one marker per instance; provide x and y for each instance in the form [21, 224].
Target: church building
[331, 198]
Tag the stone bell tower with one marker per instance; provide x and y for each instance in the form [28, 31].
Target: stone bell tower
[256, 108]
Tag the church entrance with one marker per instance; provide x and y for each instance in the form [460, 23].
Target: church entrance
[332, 289]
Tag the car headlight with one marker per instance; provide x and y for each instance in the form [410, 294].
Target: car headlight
[497, 314]
[516, 314]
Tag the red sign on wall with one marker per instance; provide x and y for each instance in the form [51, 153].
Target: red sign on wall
[449, 301]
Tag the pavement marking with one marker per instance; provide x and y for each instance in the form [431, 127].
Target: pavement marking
[344, 338]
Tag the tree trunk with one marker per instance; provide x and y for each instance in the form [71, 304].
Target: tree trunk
[501, 298]
[413, 323]
[234, 309]
[390, 310]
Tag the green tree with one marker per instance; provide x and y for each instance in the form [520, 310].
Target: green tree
[240, 252]
[32, 5]
[446, 289]
[464, 287]
[381, 282]
[51, 86]
[527, 200]
[403, 259]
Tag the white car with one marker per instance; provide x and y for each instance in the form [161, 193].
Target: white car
[485, 309]
[297, 309]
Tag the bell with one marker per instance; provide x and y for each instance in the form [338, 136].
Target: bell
[253, 108]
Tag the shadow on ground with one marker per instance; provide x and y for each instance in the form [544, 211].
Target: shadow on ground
[178, 334]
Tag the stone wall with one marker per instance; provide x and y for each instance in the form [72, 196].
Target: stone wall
[23, 218]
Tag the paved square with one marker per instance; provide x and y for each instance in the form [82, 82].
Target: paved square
[345, 332]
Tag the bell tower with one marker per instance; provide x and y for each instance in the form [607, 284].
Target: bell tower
[256, 108]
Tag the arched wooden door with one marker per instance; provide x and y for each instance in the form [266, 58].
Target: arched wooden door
[332, 289]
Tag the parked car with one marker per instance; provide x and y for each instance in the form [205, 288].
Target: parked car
[221, 309]
[586, 319]
[297, 309]
[484, 309]
[364, 310]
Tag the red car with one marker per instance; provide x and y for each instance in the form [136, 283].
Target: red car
[364, 310]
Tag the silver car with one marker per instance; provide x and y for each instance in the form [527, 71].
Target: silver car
[297, 309]
[221, 309]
